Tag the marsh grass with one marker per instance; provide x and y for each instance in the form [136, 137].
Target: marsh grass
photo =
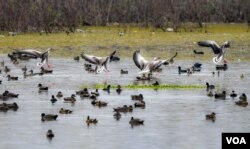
[152, 42]
[161, 86]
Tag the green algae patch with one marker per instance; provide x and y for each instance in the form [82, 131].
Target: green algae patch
[161, 86]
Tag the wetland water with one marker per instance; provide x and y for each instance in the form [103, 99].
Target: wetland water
[174, 118]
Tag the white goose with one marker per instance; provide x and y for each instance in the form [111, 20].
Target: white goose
[220, 51]
[147, 67]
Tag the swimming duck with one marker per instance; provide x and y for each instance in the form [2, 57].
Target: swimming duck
[53, 99]
[99, 103]
[59, 94]
[135, 121]
[242, 76]
[42, 88]
[181, 70]
[50, 134]
[124, 109]
[107, 89]
[140, 104]
[70, 99]
[37, 73]
[96, 93]
[156, 83]
[210, 94]
[9, 94]
[220, 95]
[198, 52]
[119, 89]
[12, 78]
[233, 94]
[221, 67]
[144, 77]
[65, 111]
[124, 71]
[114, 58]
[209, 87]
[24, 69]
[242, 103]
[91, 121]
[12, 106]
[48, 117]
[117, 115]
[211, 116]
[137, 97]
[6, 69]
[243, 97]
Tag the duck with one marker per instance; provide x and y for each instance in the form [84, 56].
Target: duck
[211, 116]
[242, 102]
[198, 52]
[220, 95]
[117, 115]
[59, 94]
[53, 99]
[48, 117]
[96, 93]
[91, 121]
[6, 69]
[233, 94]
[210, 94]
[50, 134]
[144, 77]
[242, 76]
[99, 103]
[12, 78]
[37, 73]
[70, 99]
[114, 58]
[12, 106]
[119, 89]
[65, 111]
[181, 70]
[124, 109]
[209, 87]
[77, 58]
[136, 121]
[156, 83]
[140, 104]
[107, 89]
[44, 70]
[197, 69]
[221, 67]
[42, 88]
[197, 65]
[243, 97]
[10, 95]
[124, 71]
[137, 97]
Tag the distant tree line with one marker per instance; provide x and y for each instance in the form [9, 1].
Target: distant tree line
[51, 15]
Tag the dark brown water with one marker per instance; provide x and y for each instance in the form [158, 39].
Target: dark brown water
[173, 118]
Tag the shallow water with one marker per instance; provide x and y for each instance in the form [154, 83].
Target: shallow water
[173, 118]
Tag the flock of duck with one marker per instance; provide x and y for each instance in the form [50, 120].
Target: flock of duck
[147, 68]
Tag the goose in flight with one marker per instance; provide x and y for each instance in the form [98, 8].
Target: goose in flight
[219, 51]
[147, 67]
[100, 62]
[36, 54]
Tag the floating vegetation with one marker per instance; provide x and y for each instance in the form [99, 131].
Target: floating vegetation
[161, 86]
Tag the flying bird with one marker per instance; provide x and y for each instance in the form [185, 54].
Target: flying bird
[36, 54]
[147, 67]
[219, 51]
[100, 62]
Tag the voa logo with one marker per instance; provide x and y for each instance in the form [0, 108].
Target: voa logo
[236, 140]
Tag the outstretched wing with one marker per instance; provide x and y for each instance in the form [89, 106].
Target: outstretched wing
[29, 52]
[216, 48]
[90, 58]
[140, 62]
